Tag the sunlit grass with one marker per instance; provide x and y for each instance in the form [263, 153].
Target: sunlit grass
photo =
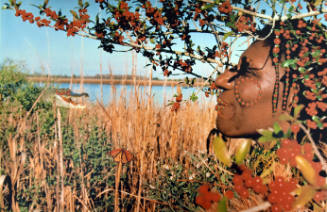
[59, 158]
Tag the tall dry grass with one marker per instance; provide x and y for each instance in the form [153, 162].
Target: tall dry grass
[154, 133]
[38, 162]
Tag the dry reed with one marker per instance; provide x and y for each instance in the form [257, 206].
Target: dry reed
[149, 131]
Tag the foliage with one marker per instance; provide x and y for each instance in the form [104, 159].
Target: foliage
[165, 32]
[11, 79]
[176, 187]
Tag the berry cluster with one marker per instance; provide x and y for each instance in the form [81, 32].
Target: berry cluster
[288, 151]
[80, 21]
[206, 198]
[225, 7]
[304, 66]
[245, 181]
[290, 148]
[279, 195]
[176, 105]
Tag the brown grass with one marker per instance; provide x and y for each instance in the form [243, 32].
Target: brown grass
[149, 131]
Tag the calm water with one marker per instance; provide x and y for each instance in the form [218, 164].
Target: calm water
[160, 94]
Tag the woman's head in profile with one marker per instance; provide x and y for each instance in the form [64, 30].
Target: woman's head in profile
[277, 75]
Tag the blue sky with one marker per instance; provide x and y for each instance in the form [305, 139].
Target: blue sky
[45, 50]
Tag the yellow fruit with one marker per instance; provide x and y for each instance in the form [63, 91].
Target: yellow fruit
[242, 150]
[306, 169]
[221, 151]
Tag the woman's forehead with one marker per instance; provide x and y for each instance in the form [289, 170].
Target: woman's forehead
[256, 55]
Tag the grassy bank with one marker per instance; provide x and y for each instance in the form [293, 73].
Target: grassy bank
[108, 81]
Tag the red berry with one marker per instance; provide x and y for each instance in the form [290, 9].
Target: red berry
[204, 188]
[229, 194]
[244, 193]
[249, 182]
[213, 196]
[237, 180]
[272, 198]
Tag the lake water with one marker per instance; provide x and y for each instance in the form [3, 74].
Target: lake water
[160, 94]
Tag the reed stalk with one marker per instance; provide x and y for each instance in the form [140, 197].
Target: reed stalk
[60, 164]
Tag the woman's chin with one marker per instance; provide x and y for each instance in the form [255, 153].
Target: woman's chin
[232, 131]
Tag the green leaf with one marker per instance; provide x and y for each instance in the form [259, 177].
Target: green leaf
[277, 128]
[297, 110]
[288, 133]
[318, 122]
[45, 3]
[5, 6]
[285, 117]
[193, 97]
[287, 63]
[207, 6]
[316, 53]
[12, 2]
[80, 3]
[227, 34]
[302, 69]
[73, 13]
[267, 136]
[187, 80]
[222, 205]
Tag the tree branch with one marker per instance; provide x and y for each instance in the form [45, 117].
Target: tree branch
[276, 18]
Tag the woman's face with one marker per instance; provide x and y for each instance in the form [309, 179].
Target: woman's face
[245, 104]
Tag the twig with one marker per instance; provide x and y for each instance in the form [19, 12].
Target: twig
[36, 101]
[117, 180]
[262, 206]
[315, 148]
[243, 11]
[219, 167]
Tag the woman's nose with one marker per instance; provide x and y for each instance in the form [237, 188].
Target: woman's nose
[225, 80]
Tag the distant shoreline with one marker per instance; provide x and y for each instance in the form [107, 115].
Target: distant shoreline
[108, 81]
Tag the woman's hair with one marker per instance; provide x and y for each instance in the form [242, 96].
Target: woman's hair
[300, 48]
